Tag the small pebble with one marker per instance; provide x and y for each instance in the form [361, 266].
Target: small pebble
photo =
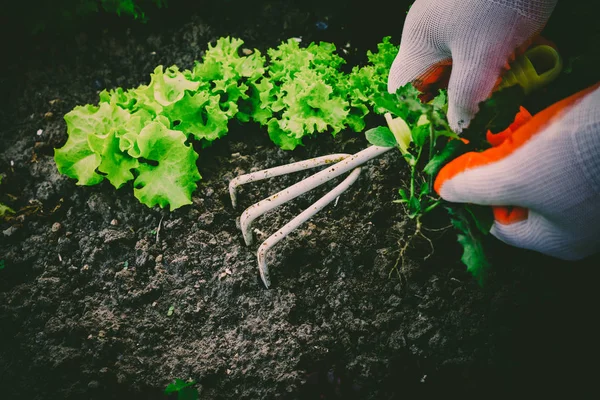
[39, 132]
[49, 115]
[159, 258]
[101, 334]
[247, 52]
[114, 222]
[54, 101]
[10, 231]
[321, 25]
[85, 268]
[56, 227]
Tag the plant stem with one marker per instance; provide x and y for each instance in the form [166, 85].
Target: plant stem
[433, 206]
[413, 172]
[431, 150]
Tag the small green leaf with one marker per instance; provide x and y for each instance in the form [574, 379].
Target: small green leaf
[389, 102]
[403, 194]
[2, 266]
[451, 151]
[424, 189]
[170, 311]
[440, 101]
[469, 237]
[414, 207]
[178, 385]
[420, 134]
[381, 136]
[447, 133]
[482, 216]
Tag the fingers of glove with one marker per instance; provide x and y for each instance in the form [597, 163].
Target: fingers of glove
[428, 72]
[520, 169]
[539, 234]
[509, 215]
[422, 59]
[478, 37]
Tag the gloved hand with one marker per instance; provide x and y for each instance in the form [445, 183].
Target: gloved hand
[549, 168]
[474, 38]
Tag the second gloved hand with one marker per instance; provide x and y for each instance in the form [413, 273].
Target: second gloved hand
[543, 179]
[475, 37]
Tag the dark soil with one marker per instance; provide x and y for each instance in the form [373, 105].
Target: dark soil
[90, 274]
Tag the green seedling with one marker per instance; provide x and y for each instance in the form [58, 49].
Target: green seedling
[425, 140]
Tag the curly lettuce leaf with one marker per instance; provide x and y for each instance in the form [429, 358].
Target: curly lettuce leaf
[368, 83]
[169, 86]
[76, 159]
[305, 95]
[231, 76]
[115, 164]
[200, 115]
[307, 106]
[171, 175]
[119, 97]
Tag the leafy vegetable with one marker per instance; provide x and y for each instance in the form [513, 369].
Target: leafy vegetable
[304, 96]
[140, 134]
[299, 92]
[370, 81]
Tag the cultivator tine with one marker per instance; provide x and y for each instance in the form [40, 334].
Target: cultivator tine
[299, 220]
[281, 170]
[343, 163]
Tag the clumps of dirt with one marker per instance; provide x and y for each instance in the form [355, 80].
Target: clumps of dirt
[102, 297]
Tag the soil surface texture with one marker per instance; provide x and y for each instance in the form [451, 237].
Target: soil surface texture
[104, 298]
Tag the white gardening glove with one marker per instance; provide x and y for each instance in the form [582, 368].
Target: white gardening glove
[476, 37]
[549, 168]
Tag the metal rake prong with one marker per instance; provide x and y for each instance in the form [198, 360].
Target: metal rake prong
[343, 166]
[299, 220]
[281, 170]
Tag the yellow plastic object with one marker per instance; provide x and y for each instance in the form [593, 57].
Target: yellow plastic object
[539, 66]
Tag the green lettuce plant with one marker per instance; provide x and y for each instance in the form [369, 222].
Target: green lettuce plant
[142, 134]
